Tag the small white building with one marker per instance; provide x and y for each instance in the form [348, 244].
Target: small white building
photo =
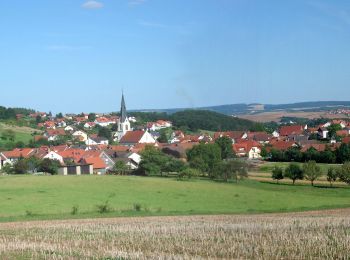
[82, 136]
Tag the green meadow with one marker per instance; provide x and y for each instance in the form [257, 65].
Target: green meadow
[64, 197]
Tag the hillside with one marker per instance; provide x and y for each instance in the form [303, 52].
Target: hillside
[211, 121]
[238, 109]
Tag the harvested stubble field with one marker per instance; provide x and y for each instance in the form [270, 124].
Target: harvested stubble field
[308, 235]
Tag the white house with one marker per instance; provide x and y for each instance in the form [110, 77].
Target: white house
[323, 132]
[134, 160]
[89, 125]
[137, 137]
[82, 136]
[69, 129]
[275, 134]
[96, 141]
[54, 156]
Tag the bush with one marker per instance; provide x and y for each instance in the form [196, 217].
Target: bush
[137, 207]
[103, 208]
[74, 210]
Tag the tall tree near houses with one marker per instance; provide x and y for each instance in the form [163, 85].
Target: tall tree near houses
[225, 144]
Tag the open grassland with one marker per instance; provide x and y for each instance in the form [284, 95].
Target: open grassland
[311, 235]
[22, 134]
[63, 197]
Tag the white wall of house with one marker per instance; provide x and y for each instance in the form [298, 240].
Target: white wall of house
[254, 153]
[147, 138]
[81, 134]
[54, 156]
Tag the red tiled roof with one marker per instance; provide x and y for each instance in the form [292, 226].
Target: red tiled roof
[346, 140]
[97, 162]
[18, 153]
[245, 146]
[132, 137]
[291, 130]
[118, 148]
[282, 145]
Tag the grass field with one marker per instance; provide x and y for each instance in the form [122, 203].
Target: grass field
[22, 134]
[53, 197]
[311, 235]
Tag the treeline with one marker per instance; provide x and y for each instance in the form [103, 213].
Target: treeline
[10, 113]
[311, 171]
[215, 161]
[194, 120]
[339, 155]
[32, 165]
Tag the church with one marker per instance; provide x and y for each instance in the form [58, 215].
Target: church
[123, 122]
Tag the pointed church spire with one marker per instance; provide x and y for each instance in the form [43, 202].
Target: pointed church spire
[123, 115]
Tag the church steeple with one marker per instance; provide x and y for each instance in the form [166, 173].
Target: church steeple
[123, 114]
[123, 124]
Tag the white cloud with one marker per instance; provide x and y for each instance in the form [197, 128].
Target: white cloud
[92, 5]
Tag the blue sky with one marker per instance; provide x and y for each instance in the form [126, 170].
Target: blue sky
[76, 55]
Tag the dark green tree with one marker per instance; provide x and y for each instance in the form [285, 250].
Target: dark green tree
[277, 173]
[209, 155]
[92, 117]
[49, 166]
[294, 172]
[225, 144]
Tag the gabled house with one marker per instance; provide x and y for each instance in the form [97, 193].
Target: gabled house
[81, 136]
[53, 134]
[96, 140]
[69, 129]
[236, 136]
[137, 137]
[323, 132]
[292, 130]
[89, 125]
[16, 154]
[247, 148]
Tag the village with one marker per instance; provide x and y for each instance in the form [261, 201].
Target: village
[81, 150]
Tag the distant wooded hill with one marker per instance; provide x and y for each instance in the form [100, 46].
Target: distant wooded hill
[236, 109]
[10, 113]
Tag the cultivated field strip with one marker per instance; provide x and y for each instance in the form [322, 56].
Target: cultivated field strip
[310, 235]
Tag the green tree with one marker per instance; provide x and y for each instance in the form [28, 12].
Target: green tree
[208, 155]
[163, 138]
[344, 173]
[59, 115]
[20, 167]
[154, 162]
[343, 153]
[225, 144]
[49, 166]
[332, 130]
[105, 132]
[311, 171]
[332, 175]
[92, 117]
[231, 169]
[120, 167]
[277, 173]
[294, 172]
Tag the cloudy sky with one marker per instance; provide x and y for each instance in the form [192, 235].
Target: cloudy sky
[76, 55]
